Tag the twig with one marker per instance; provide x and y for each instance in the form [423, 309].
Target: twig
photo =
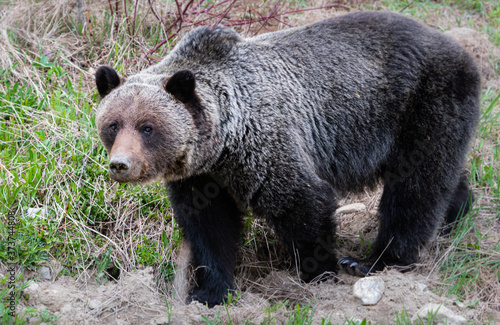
[154, 12]
[110, 7]
[406, 7]
[126, 14]
[187, 7]
[225, 13]
[316, 8]
[191, 14]
[275, 9]
[135, 17]
[180, 14]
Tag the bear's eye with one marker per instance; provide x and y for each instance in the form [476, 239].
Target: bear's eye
[147, 130]
[113, 128]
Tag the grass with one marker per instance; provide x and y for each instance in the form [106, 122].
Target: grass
[471, 266]
[51, 158]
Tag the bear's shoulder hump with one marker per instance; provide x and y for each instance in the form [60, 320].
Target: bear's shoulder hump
[208, 42]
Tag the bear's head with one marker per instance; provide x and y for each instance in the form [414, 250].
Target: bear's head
[148, 128]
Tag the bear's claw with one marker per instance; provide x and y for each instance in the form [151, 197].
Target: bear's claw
[353, 267]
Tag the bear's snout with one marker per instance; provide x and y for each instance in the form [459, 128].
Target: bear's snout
[127, 162]
[119, 166]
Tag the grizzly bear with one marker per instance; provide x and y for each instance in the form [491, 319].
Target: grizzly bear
[285, 123]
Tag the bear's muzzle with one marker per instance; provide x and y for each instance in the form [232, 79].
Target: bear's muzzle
[119, 166]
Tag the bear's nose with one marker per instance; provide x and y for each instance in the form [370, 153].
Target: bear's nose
[119, 165]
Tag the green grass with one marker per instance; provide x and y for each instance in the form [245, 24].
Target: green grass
[472, 261]
[477, 14]
[52, 159]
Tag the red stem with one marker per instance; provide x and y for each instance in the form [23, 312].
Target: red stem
[183, 15]
[275, 8]
[110, 7]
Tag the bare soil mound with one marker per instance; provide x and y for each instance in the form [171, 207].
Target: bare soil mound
[135, 300]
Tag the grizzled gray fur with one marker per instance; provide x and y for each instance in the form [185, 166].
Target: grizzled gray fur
[285, 123]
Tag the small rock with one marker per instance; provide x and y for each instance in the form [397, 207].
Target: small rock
[369, 290]
[440, 313]
[67, 309]
[421, 287]
[94, 304]
[472, 313]
[351, 208]
[40, 213]
[45, 272]
[163, 321]
[32, 288]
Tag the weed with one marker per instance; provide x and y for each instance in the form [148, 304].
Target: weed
[214, 321]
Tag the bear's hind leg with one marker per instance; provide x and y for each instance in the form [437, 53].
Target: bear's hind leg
[459, 205]
[408, 219]
[211, 223]
[422, 172]
[415, 201]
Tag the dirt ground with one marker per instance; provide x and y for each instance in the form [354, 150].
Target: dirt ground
[135, 299]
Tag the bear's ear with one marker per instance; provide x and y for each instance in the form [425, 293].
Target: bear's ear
[181, 85]
[106, 80]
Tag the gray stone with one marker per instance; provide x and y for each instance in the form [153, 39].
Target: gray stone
[39, 213]
[420, 287]
[94, 304]
[67, 309]
[351, 208]
[32, 289]
[45, 272]
[439, 313]
[163, 321]
[369, 290]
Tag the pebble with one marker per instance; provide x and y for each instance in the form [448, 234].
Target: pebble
[67, 309]
[351, 208]
[39, 213]
[94, 304]
[421, 287]
[442, 314]
[164, 321]
[45, 272]
[32, 288]
[369, 290]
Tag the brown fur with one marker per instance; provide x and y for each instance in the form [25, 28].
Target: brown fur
[132, 112]
[128, 143]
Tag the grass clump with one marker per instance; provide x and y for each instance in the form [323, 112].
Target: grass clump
[470, 267]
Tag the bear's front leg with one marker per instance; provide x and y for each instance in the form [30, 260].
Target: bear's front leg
[210, 221]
